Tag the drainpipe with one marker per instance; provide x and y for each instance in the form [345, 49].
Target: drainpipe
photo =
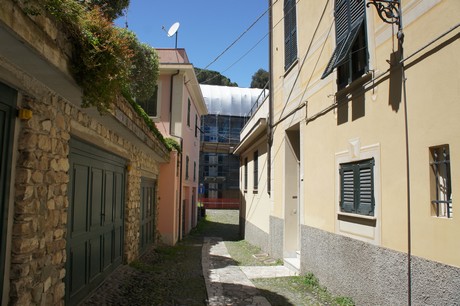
[406, 131]
[270, 99]
[179, 227]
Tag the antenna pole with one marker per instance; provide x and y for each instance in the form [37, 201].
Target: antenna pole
[176, 38]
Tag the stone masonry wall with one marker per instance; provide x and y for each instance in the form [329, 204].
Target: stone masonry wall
[38, 254]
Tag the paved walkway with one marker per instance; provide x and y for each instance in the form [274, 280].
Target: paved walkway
[229, 284]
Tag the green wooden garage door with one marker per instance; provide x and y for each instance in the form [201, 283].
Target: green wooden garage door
[95, 227]
[147, 226]
[7, 116]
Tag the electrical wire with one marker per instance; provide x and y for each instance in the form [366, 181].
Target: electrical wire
[235, 41]
[239, 37]
[301, 66]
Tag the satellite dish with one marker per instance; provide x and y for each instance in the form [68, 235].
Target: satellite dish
[173, 29]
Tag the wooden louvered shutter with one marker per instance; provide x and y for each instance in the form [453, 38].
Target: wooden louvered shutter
[347, 192]
[365, 195]
[357, 187]
[349, 17]
[290, 33]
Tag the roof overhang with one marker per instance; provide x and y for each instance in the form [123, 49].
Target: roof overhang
[258, 131]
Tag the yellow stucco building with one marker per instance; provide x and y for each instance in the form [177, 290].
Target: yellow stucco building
[363, 166]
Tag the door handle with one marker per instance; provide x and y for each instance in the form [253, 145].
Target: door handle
[294, 197]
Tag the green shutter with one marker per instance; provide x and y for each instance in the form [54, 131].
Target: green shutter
[290, 33]
[365, 196]
[357, 187]
[349, 17]
[347, 192]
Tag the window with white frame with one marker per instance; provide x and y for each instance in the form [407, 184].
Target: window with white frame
[357, 187]
[441, 184]
[350, 56]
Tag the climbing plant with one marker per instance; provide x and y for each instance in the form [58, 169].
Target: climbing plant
[106, 60]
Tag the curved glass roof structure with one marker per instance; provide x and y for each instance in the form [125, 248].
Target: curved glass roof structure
[230, 101]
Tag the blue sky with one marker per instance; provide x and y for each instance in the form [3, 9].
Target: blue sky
[207, 28]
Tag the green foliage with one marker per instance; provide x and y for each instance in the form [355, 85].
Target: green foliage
[344, 301]
[260, 79]
[144, 68]
[106, 60]
[312, 283]
[210, 77]
[311, 280]
[140, 111]
[172, 144]
[112, 9]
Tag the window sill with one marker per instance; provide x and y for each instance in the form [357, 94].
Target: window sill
[359, 82]
[294, 63]
[359, 219]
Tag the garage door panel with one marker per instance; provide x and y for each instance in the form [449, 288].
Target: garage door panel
[109, 193]
[96, 198]
[95, 265]
[80, 199]
[8, 99]
[118, 236]
[78, 255]
[147, 207]
[108, 243]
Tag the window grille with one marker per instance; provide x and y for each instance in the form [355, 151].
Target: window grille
[441, 182]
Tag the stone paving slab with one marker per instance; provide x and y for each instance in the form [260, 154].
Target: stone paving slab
[226, 283]
[267, 271]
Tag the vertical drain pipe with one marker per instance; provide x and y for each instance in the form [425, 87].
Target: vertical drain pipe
[270, 99]
[406, 132]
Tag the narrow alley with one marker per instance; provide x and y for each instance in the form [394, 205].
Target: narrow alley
[174, 275]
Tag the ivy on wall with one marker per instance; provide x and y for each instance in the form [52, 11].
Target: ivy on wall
[107, 61]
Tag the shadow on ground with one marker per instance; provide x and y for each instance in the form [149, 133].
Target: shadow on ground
[166, 275]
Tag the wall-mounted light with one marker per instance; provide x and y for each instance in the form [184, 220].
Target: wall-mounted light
[24, 114]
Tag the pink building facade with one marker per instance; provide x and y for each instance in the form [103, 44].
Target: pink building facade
[177, 112]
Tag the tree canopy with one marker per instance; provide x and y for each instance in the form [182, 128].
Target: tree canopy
[260, 79]
[210, 77]
[112, 9]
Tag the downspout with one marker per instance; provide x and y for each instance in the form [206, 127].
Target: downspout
[406, 133]
[179, 227]
[270, 98]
